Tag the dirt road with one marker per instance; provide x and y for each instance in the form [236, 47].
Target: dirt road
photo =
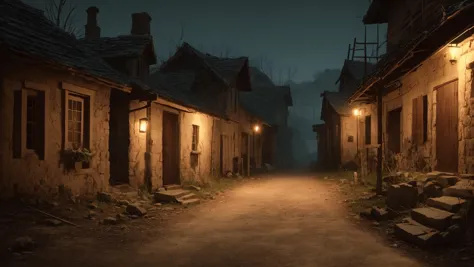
[284, 221]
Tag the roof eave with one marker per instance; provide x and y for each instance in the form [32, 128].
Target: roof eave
[376, 13]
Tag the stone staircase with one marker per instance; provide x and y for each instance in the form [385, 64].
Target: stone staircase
[439, 221]
[176, 194]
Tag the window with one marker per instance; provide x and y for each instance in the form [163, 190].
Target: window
[368, 132]
[29, 123]
[75, 122]
[420, 120]
[195, 141]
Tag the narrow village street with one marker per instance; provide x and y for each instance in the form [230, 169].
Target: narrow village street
[278, 221]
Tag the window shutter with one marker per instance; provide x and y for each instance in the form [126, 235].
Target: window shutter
[40, 127]
[17, 119]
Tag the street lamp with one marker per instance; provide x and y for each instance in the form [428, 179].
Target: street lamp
[256, 128]
[143, 125]
[453, 53]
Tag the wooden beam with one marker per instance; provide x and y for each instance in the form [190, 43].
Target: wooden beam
[379, 140]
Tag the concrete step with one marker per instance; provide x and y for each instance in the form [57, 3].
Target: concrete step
[171, 195]
[188, 196]
[172, 186]
[432, 217]
[463, 189]
[451, 204]
[188, 202]
[416, 233]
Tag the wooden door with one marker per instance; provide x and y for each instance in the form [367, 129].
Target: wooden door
[119, 139]
[394, 130]
[447, 127]
[170, 149]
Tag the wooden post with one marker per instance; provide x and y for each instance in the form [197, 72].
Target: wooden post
[379, 140]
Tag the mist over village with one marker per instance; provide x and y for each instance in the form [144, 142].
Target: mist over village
[249, 133]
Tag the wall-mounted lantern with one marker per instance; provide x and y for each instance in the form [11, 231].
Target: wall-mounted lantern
[453, 50]
[356, 112]
[256, 128]
[143, 125]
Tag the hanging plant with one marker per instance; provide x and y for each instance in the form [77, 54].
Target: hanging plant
[74, 158]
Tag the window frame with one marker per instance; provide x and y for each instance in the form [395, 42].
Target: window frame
[82, 100]
[195, 138]
[368, 130]
[89, 96]
[419, 131]
[19, 146]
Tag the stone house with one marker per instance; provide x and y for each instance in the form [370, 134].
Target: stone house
[271, 102]
[184, 127]
[425, 83]
[54, 98]
[235, 141]
[349, 134]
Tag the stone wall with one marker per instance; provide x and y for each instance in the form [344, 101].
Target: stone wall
[202, 171]
[434, 72]
[29, 174]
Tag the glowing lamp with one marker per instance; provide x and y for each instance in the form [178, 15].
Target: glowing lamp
[256, 128]
[453, 50]
[143, 125]
[356, 112]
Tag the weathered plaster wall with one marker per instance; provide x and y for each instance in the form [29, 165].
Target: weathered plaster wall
[348, 148]
[28, 174]
[434, 72]
[201, 172]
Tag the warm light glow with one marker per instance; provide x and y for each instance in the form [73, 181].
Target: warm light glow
[256, 128]
[143, 125]
[453, 52]
[356, 112]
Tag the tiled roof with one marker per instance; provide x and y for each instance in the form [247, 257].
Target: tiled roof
[338, 100]
[177, 87]
[121, 46]
[26, 31]
[228, 69]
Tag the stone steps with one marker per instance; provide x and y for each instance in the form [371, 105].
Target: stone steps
[172, 187]
[447, 203]
[190, 201]
[413, 232]
[463, 189]
[432, 217]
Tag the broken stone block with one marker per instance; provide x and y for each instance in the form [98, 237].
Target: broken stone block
[367, 213]
[402, 196]
[109, 221]
[447, 180]
[432, 217]
[135, 209]
[436, 174]
[123, 202]
[104, 197]
[193, 187]
[417, 234]
[451, 204]
[379, 214]
[462, 189]
[391, 179]
[24, 243]
[432, 189]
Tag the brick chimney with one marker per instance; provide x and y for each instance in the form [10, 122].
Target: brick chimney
[141, 23]
[92, 30]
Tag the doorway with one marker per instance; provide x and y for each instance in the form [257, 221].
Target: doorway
[119, 137]
[394, 130]
[224, 150]
[170, 149]
[244, 147]
[447, 127]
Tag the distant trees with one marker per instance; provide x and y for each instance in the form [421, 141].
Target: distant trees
[62, 14]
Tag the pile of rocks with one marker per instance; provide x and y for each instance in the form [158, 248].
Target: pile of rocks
[436, 203]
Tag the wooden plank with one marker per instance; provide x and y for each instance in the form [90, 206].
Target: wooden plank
[447, 127]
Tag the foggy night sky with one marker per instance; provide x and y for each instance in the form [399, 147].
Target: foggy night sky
[309, 35]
